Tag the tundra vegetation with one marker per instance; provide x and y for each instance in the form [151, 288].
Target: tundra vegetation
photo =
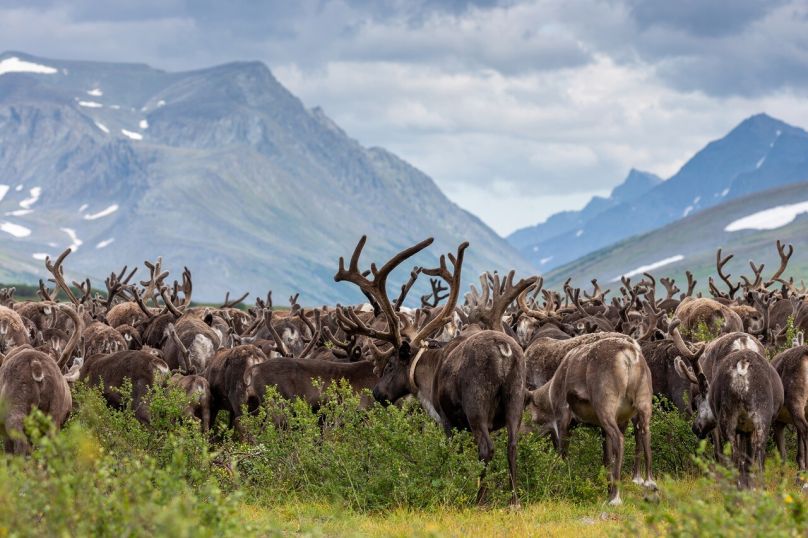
[504, 410]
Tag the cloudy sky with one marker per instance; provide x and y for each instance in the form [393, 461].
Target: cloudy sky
[516, 108]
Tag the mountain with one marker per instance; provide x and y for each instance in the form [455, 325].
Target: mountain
[747, 227]
[527, 239]
[220, 169]
[758, 154]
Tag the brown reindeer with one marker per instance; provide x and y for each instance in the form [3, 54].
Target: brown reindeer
[226, 374]
[110, 371]
[792, 366]
[31, 379]
[604, 383]
[476, 382]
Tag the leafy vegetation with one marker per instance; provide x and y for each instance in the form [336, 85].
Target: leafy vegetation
[107, 474]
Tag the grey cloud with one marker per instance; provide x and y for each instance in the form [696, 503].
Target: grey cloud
[706, 18]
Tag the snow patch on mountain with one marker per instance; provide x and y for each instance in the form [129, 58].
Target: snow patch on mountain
[75, 242]
[103, 213]
[768, 219]
[131, 134]
[35, 193]
[15, 65]
[15, 229]
[650, 267]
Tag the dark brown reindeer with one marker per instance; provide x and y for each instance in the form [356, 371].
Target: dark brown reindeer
[737, 395]
[110, 371]
[475, 382]
[31, 379]
[197, 388]
[792, 366]
[304, 377]
[227, 377]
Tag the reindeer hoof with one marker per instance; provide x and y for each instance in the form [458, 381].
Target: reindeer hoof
[638, 480]
[651, 484]
[616, 501]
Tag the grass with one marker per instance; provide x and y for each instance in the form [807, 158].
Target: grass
[555, 518]
[638, 515]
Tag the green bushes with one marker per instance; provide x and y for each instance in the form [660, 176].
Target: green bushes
[108, 474]
[719, 508]
[73, 486]
[388, 457]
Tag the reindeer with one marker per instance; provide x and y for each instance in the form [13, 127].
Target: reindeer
[199, 394]
[31, 379]
[792, 366]
[737, 395]
[228, 379]
[110, 371]
[475, 382]
[604, 383]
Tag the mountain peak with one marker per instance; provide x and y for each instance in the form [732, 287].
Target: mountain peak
[636, 184]
[762, 122]
[221, 169]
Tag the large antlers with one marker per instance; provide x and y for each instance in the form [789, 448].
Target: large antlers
[784, 257]
[720, 262]
[503, 293]
[453, 279]
[58, 272]
[377, 288]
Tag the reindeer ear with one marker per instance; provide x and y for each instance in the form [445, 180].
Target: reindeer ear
[685, 371]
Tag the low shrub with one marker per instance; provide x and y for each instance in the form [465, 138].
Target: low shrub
[714, 506]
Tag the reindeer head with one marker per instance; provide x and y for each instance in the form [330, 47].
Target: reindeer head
[404, 340]
[704, 420]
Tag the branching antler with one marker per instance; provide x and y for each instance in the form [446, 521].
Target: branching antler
[670, 287]
[720, 262]
[235, 302]
[432, 300]
[45, 293]
[155, 282]
[405, 288]
[116, 284]
[377, 287]
[598, 295]
[785, 256]
[57, 270]
[504, 292]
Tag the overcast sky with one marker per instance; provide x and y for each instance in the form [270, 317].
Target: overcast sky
[517, 109]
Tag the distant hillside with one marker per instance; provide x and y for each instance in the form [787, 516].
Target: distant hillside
[759, 154]
[747, 227]
[220, 169]
[528, 240]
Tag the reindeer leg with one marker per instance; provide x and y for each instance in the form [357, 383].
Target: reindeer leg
[613, 458]
[636, 474]
[485, 451]
[801, 425]
[514, 420]
[779, 429]
[642, 429]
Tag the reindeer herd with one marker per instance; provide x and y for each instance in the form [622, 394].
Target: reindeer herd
[509, 349]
